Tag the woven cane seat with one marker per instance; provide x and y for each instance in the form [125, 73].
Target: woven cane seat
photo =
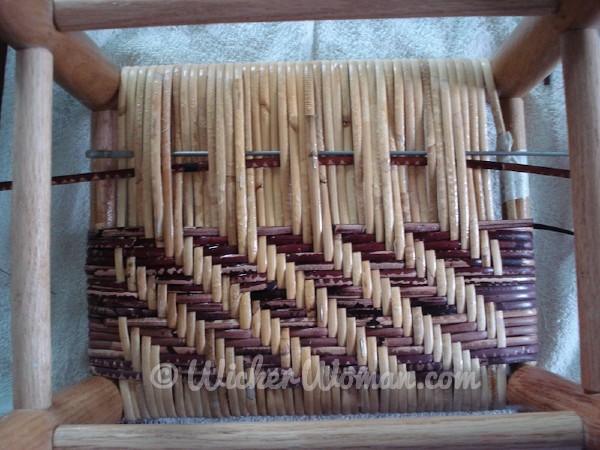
[328, 245]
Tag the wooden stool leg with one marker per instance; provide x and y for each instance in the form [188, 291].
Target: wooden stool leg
[544, 391]
[103, 193]
[513, 110]
[94, 401]
[581, 68]
[30, 230]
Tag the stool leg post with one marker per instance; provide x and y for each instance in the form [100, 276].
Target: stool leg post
[513, 110]
[103, 193]
[544, 391]
[581, 67]
[30, 230]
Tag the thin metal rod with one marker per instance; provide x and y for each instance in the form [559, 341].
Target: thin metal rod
[108, 154]
[190, 153]
[396, 154]
[203, 153]
[521, 153]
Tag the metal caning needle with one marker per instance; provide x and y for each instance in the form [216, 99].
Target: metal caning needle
[127, 154]
[393, 154]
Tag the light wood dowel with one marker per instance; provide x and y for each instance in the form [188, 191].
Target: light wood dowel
[581, 68]
[94, 401]
[30, 230]
[79, 65]
[533, 49]
[550, 430]
[95, 14]
[25, 429]
[544, 391]
[103, 193]
[513, 110]
[84, 71]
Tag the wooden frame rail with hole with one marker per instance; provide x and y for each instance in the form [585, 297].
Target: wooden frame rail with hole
[48, 39]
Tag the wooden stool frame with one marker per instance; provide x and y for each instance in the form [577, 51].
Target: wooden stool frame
[48, 39]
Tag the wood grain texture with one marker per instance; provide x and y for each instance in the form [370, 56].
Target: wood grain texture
[79, 65]
[533, 49]
[581, 70]
[26, 429]
[513, 110]
[30, 230]
[544, 391]
[547, 430]
[71, 15]
[94, 401]
[103, 193]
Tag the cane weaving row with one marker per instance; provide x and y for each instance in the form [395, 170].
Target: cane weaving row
[323, 266]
